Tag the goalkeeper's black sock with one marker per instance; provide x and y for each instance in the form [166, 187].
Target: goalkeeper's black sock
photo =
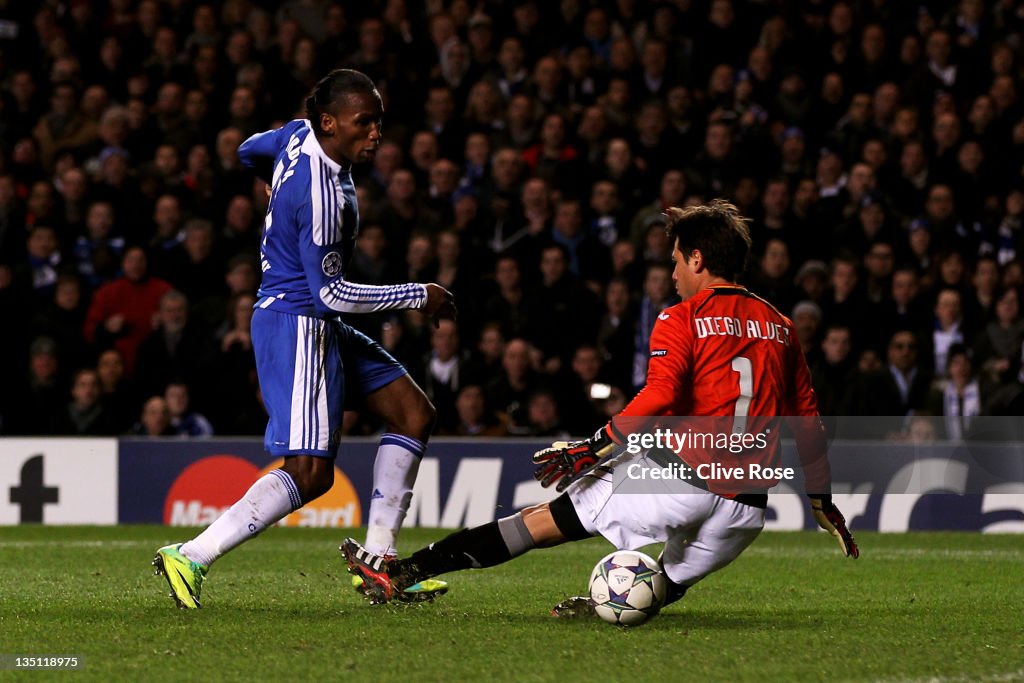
[675, 591]
[482, 546]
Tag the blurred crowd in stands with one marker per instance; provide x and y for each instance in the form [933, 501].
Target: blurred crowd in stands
[531, 146]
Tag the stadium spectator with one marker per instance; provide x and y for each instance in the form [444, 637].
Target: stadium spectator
[582, 392]
[878, 268]
[772, 278]
[37, 397]
[174, 349]
[121, 313]
[615, 335]
[490, 348]
[403, 212]
[658, 296]
[807, 319]
[457, 274]
[37, 274]
[543, 416]
[234, 406]
[61, 319]
[921, 430]
[833, 373]
[620, 168]
[184, 421]
[195, 268]
[508, 305]
[980, 304]
[588, 255]
[947, 332]
[811, 280]
[99, 251]
[64, 127]
[444, 371]
[900, 387]
[959, 398]
[439, 118]
[155, 419]
[117, 393]
[560, 301]
[672, 192]
[72, 186]
[509, 392]
[443, 181]
[85, 415]
[605, 221]
[844, 301]
[167, 234]
[474, 418]
[512, 74]
[657, 248]
[997, 346]
[239, 235]
[591, 135]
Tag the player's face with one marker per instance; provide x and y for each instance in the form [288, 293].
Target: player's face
[355, 127]
[683, 276]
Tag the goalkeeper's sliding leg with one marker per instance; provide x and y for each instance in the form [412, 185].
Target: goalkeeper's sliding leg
[541, 526]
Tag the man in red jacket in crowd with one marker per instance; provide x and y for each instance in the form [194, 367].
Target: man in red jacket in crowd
[121, 314]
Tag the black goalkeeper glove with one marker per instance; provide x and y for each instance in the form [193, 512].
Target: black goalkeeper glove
[565, 461]
[831, 520]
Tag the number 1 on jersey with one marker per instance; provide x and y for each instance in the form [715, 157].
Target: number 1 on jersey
[741, 365]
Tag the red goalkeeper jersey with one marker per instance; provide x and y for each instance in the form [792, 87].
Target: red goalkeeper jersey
[729, 354]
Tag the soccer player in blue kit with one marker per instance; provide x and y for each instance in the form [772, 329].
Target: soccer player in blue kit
[309, 362]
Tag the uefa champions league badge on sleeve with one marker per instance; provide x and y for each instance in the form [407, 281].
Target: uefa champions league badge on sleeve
[331, 264]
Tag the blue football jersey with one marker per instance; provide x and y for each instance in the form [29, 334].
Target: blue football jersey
[310, 230]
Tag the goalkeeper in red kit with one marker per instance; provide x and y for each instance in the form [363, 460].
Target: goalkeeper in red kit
[723, 357]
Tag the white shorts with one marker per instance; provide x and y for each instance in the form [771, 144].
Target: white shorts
[702, 531]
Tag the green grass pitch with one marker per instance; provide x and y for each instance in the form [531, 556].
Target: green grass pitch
[915, 607]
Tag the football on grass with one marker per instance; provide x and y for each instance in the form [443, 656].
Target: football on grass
[627, 588]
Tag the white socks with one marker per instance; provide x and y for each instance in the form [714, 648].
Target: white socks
[394, 473]
[275, 495]
[268, 501]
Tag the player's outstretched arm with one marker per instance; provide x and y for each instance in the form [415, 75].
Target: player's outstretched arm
[323, 264]
[564, 462]
[832, 520]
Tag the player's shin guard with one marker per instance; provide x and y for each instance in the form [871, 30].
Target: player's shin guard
[476, 548]
[394, 473]
[269, 500]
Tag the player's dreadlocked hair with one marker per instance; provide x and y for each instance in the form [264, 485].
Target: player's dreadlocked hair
[333, 87]
[717, 230]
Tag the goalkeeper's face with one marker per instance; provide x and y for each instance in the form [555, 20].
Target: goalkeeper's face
[683, 274]
[355, 128]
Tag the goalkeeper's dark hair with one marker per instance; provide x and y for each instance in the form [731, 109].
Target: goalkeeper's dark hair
[331, 89]
[717, 230]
